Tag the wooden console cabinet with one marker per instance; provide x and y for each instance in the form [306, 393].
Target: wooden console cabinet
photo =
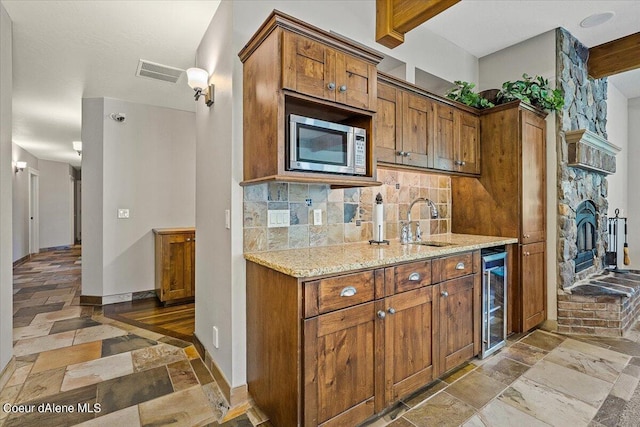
[509, 200]
[175, 250]
[335, 351]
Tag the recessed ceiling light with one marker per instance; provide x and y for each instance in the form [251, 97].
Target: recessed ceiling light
[596, 19]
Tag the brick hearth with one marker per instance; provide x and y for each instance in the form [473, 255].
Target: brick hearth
[605, 304]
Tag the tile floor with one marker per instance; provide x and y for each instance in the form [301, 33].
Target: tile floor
[71, 355]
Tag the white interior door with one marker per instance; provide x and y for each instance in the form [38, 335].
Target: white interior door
[34, 212]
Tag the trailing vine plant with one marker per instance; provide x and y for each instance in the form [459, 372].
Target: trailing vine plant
[534, 91]
[463, 92]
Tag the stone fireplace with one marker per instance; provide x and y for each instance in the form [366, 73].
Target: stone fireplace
[591, 300]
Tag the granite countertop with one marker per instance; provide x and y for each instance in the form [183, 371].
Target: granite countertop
[319, 261]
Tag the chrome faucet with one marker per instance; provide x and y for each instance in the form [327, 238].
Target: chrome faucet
[406, 236]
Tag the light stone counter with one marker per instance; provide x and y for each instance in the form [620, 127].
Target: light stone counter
[320, 261]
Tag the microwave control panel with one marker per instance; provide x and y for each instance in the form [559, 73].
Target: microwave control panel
[360, 149]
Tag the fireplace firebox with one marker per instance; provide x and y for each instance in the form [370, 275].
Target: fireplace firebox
[586, 235]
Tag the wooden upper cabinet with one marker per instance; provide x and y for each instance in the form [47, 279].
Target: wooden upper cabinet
[456, 141]
[533, 178]
[389, 124]
[417, 128]
[315, 69]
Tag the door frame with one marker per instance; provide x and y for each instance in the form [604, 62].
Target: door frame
[34, 211]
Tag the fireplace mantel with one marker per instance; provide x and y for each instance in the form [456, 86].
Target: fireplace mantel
[590, 151]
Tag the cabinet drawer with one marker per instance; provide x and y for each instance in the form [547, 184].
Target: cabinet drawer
[410, 276]
[323, 296]
[452, 266]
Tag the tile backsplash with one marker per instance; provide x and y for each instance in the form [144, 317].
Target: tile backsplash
[346, 213]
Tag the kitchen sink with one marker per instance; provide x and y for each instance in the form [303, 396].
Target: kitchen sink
[433, 243]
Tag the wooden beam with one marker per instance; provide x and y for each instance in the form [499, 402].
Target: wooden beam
[385, 34]
[614, 57]
[394, 18]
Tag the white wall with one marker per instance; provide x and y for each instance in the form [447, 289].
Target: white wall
[6, 171]
[617, 133]
[21, 203]
[633, 175]
[91, 204]
[536, 56]
[55, 201]
[148, 167]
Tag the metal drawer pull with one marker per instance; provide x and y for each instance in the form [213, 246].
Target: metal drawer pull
[382, 314]
[527, 253]
[414, 277]
[188, 239]
[331, 86]
[349, 291]
[460, 266]
[343, 88]
[444, 294]
[391, 310]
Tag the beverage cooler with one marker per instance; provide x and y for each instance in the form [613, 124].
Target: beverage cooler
[494, 300]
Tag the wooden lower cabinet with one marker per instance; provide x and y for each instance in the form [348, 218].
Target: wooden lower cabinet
[409, 336]
[307, 366]
[459, 310]
[339, 365]
[534, 296]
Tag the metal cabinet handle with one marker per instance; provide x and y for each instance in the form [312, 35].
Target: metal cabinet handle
[407, 154]
[382, 314]
[460, 266]
[414, 277]
[526, 236]
[527, 253]
[444, 294]
[343, 88]
[401, 153]
[349, 291]
[188, 239]
[331, 86]
[391, 310]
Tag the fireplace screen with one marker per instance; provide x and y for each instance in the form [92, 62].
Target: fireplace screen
[586, 237]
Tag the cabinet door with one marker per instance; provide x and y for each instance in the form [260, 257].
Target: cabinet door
[533, 178]
[444, 139]
[308, 67]
[408, 342]
[459, 307]
[355, 81]
[339, 366]
[417, 127]
[178, 266]
[468, 144]
[533, 280]
[389, 124]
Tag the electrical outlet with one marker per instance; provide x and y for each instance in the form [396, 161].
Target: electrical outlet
[216, 344]
[317, 217]
[278, 218]
[123, 213]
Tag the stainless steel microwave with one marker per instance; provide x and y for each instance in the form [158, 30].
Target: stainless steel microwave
[320, 146]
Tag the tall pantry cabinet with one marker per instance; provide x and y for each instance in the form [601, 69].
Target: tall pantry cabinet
[509, 199]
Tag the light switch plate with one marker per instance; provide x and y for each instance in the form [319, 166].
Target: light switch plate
[277, 218]
[123, 213]
[317, 217]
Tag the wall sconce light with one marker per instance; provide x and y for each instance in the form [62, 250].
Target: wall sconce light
[198, 80]
[20, 166]
[77, 145]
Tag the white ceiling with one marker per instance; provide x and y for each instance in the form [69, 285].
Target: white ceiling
[68, 50]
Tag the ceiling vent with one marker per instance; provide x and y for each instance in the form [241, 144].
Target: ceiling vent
[158, 71]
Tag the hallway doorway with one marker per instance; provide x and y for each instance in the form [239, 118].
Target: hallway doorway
[34, 212]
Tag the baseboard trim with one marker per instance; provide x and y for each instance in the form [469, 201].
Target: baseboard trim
[7, 372]
[114, 299]
[21, 260]
[55, 248]
[236, 396]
